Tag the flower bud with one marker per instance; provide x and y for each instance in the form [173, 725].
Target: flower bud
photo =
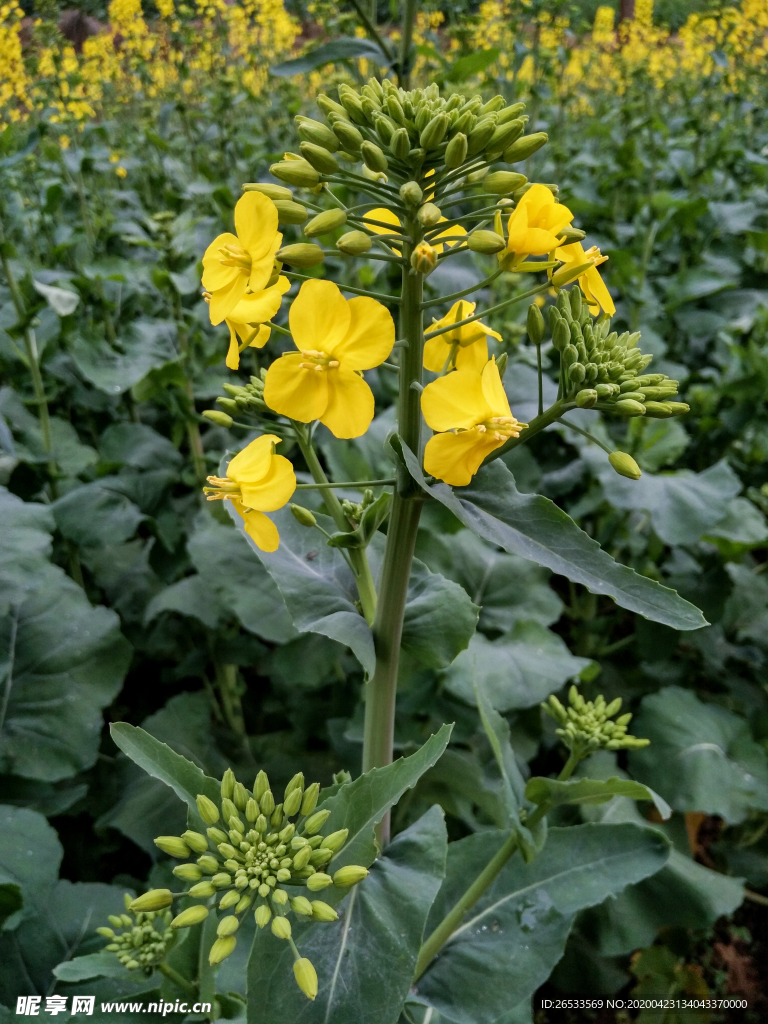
[501, 183]
[221, 880]
[227, 926]
[576, 373]
[349, 875]
[662, 410]
[309, 801]
[228, 404]
[505, 135]
[207, 809]
[262, 915]
[319, 158]
[261, 785]
[487, 242]
[624, 465]
[323, 912]
[373, 157]
[155, 899]
[569, 235]
[301, 254]
[208, 863]
[316, 822]
[301, 859]
[188, 872]
[281, 928]
[325, 222]
[329, 106]
[411, 193]
[229, 899]
[293, 800]
[296, 172]
[385, 128]
[305, 518]
[301, 905]
[189, 917]
[318, 133]
[424, 258]
[501, 364]
[350, 138]
[173, 846]
[400, 144]
[228, 809]
[354, 243]
[287, 833]
[221, 419]
[456, 151]
[221, 949]
[480, 135]
[273, 192]
[335, 840]
[319, 880]
[320, 857]
[289, 212]
[535, 324]
[429, 215]
[628, 407]
[306, 977]
[561, 335]
[586, 399]
[227, 782]
[568, 272]
[509, 113]
[525, 147]
[434, 132]
[267, 803]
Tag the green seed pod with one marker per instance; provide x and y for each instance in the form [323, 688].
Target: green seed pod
[273, 192]
[501, 183]
[354, 243]
[189, 917]
[155, 899]
[628, 407]
[429, 215]
[281, 928]
[309, 802]
[335, 840]
[301, 905]
[296, 172]
[480, 135]
[229, 899]
[510, 113]
[221, 949]
[221, 419]
[319, 158]
[289, 212]
[306, 977]
[400, 144]
[207, 809]
[188, 872]
[373, 157]
[525, 147]
[456, 151]
[505, 134]
[349, 137]
[293, 800]
[323, 912]
[318, 880]
[487, 242]
[317, 133]
[586, 399]
[324, 223]
[535, 324]
[221, 880]
[301, 254]
[173, 846]
[434, 132]
[411, 193]
[624, 465]
[262, 915]
[349, 875]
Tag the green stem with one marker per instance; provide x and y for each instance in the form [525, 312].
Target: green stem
[360, 484]
[173, 975]
[367, 20]
[459, 295]
[226, 677]
[347, 288]
[357, 556]
[194, 439]
[409, 18]
[537, 424]
[541, 380]
[586, 433]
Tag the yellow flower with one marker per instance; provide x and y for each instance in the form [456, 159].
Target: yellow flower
[471, 352]
[257, 481]
[597, 295]
[385, 215]
[121, 172]
[246, 320]
[337, 339]
[234, 263]
[533, 227]
[471, 412]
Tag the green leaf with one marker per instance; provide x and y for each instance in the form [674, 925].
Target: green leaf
[535, 528]
[343, 48]
[662, 442]
[439, 618]
[513, 937]
[743, 523]
[552, 792]
[61, 662]
[365, 961]
[144, 345]
[472, 64]
[61, 300]
[360, 805]
[190, 597]
[517, 671]
[92, 965]
[98, 514]
[26, 547]
[138, 446]
[701, 757]
[30, 854]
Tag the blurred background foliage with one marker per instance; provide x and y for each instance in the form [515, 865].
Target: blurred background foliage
[126, 137]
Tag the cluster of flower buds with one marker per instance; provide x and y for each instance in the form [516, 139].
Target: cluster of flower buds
[245, 398]
[354, 510]
[587, 726]
[252, 852]
[604, 370]
[139, 939]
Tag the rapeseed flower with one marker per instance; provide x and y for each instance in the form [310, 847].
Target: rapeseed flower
[387, 216]
[533, 227]
[597, 295]
[337, 339]
[471, 413]
[257, 481]
[465, 347]
[247, 320]
[235, 263]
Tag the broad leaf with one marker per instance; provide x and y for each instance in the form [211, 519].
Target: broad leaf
[472, 64]
[98, 514]
[517, 671]
[701, 757]
[91, 965]
[513, 937]
[343, 48]
[535, 528]
[190, 597]
[552, 792]
[139, 446]
[365, 961]
[145, 345]
[61, 300]
[30, 854]
[439, 617]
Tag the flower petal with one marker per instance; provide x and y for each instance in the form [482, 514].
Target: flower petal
[259, 528]
[383, 214]
[224, 300]
[455, 458]
[233, 352]
[274, 490]
[214, 274]
[253, 462]
[436, 351]
[370, 336]
[350, 404]
[261, 338]
[319, 316]
[596, 291]
[262, 266]
[493, 390]
[473, 357]
[456, 400]
[295, 392]
[261, 306]
[256, 223]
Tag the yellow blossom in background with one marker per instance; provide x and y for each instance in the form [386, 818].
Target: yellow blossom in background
[337, 338]
[121, 172]
[470, 412]
[597, 295]
[234, 263]
[533, 227]
[257, 481]
[466, 346]
[246, 321]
